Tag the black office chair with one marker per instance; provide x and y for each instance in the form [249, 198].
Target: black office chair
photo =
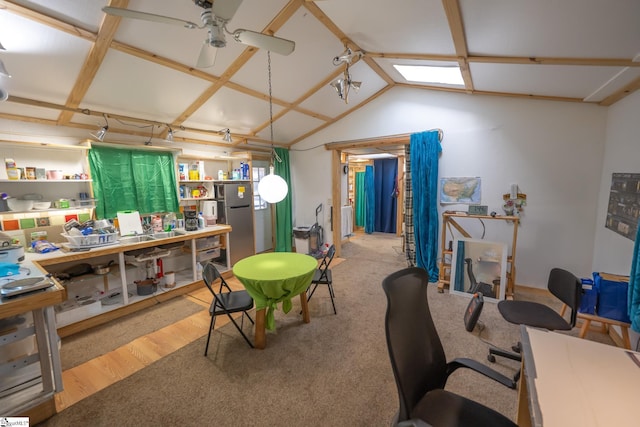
[225, 302]
[564, 286]
[322, 276]
[419, 363]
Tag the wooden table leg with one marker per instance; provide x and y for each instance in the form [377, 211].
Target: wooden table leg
[305, 307]
[260, 335]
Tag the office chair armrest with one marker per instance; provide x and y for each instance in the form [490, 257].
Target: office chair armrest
[485, 370]
[414, 422]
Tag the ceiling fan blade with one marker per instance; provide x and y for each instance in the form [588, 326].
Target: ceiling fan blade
[225, 9]
[127, 13]
[263, 41]
[207, 55]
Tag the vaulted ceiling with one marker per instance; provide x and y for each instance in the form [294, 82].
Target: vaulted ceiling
[72, 65]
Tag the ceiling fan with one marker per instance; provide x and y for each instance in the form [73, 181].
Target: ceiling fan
[215, 17]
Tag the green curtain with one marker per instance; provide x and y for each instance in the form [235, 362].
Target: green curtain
[360, 200]
[126, 179]
[284, 221]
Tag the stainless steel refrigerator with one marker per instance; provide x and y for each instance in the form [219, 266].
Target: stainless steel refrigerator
[235, 207]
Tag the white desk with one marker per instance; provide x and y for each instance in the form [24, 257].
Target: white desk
[569, 381]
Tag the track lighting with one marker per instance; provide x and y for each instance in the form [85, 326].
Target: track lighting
[103, 130]
[226, 135]
[169, 137]
[3, 70]
[343, 85]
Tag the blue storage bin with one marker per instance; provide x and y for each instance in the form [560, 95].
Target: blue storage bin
[612, 298]
[589, 299]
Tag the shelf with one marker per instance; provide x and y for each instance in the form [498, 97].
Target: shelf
[187, 181]
[41, 181]
[191, 199]
[79, 208]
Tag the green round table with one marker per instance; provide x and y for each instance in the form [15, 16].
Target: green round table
[275, 277]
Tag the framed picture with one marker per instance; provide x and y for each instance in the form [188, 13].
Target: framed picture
[479, 266]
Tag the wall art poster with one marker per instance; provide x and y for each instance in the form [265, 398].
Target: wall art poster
[460, 190]
[623, 211]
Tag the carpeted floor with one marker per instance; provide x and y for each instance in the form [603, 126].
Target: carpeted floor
[333, 371]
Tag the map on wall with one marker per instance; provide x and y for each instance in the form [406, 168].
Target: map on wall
[624, 204]
[460, 190]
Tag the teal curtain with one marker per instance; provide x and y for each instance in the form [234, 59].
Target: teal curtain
[634, 286]
[370, 204]
[284, 221]
[360, 200]
[125, 179]
[425, 153]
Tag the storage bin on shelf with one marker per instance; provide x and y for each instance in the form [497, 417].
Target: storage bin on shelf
[91, 240]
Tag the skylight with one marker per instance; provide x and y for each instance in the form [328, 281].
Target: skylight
[431, 74]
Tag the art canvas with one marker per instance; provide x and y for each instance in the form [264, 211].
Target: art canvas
[479, 266]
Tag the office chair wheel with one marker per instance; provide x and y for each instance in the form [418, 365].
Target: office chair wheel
[516, 348]
[491, 358]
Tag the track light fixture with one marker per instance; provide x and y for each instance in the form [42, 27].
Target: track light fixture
[169, 137]
[103, 130]
[226, 134]
[345, 84]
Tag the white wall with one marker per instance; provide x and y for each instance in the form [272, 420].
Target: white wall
[613, 252]
[552, 150]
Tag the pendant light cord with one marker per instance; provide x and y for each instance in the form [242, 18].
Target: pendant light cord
[273, 151]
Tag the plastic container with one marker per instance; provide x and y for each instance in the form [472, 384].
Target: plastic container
[301, 235]
[91, 240]
[201, 223]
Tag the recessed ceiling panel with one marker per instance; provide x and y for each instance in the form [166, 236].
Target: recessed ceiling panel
[568, 28]
[409, 26]
[295, 74]
[128, 85]
[44, 63]
[291, 126]
[231, 109]
[326, 101]
[548, 80]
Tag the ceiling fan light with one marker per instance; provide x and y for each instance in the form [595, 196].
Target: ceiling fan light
[3, 70]
[272, 188]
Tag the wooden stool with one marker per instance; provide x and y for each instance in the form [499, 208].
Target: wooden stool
[605, 323]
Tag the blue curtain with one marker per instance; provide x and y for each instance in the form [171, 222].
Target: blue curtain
[425, 152]
[370, 200]
[385, 174]
[634, 286]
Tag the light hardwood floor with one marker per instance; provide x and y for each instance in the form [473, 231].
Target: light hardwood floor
[92, 376]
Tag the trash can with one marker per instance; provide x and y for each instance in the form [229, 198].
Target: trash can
[301, 236]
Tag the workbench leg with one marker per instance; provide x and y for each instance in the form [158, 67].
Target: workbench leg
[585, 327]
[260, 335]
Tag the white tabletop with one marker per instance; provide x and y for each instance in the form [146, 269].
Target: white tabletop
[576, 382]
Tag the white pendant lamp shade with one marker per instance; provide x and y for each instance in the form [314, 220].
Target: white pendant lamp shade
[272, 188]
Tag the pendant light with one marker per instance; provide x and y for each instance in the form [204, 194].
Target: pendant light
[272, 188]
